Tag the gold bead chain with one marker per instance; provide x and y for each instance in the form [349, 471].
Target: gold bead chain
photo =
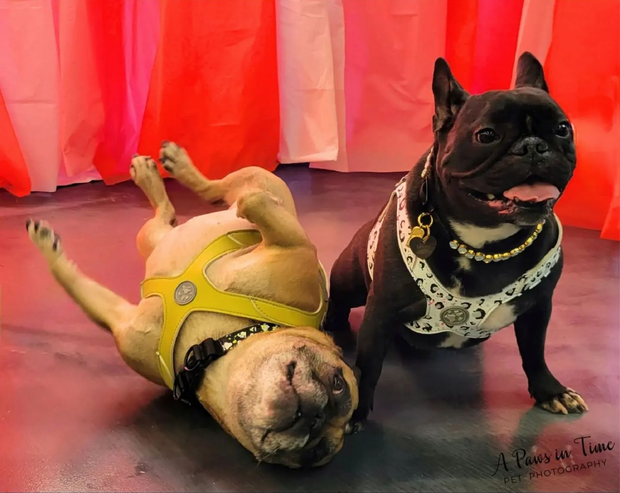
[495, 257]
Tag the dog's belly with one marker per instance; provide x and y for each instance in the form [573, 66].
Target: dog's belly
[182, 245]
[171, 256]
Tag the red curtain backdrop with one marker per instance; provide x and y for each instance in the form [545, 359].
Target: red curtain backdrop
[106, 51]
[87, 84]
[13, 172]
[585, 50]
[481, 42]
[214, 86]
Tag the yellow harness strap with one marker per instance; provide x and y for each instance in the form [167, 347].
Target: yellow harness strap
[192, 291]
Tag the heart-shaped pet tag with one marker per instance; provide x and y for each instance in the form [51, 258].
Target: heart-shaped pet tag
[417, 232]
[423, 249]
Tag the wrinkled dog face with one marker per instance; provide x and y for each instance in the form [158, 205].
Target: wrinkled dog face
[502, 156]
[293, 398]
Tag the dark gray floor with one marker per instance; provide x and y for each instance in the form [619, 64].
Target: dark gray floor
[74, 417]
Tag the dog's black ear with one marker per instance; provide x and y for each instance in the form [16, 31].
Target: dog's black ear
[530, 72]
[449, 96]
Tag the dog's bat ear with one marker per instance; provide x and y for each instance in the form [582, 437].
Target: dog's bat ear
[449, 96]
[530, 72]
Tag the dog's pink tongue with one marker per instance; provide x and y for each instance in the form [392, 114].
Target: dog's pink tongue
[533, 193]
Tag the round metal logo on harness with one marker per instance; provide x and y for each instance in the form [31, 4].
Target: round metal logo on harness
[454, 315]
[185, 293]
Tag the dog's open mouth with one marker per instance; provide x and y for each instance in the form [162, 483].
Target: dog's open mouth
[531, 194]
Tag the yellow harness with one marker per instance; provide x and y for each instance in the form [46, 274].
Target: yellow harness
[192, 291]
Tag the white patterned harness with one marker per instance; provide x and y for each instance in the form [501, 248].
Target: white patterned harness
[445, 310]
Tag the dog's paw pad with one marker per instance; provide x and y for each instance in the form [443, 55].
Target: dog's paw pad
[353, 427]
[44, 237]
[172, 157]
[144, 173]
[565, 403]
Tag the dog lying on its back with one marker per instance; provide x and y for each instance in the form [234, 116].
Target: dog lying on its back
[468, 243]
[285, 394]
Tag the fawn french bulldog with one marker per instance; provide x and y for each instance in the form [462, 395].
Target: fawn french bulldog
[229, 313]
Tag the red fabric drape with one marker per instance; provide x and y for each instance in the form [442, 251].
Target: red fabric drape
[214, 90]
[583, 72]
[125, 52]
[106, 51]
[481, 39]
[461, 27]
[13, 172]
[214, 86]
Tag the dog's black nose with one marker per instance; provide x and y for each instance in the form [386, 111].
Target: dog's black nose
[316, 420]
[530, 146]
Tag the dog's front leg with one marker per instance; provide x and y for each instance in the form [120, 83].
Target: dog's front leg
[133, 327]
[375, 333]
[550, 394]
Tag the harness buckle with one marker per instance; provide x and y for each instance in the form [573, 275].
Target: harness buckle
[193, 358]
[201, 355]
[212, 348]
[182, 386]
[197, 359]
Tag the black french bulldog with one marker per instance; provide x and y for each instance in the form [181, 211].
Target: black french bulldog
[499, 162]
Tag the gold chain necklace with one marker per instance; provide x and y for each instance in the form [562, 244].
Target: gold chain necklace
[495, 257]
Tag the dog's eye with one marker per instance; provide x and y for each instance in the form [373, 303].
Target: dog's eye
[486, 136]
[337, 384]
[563, 130]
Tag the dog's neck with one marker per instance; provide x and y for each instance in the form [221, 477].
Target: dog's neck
[472, 235]
[477, 236]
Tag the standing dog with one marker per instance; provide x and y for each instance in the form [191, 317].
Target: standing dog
[231, 279]
[467, 243]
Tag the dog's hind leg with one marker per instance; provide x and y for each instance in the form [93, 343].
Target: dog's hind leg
[128, 323]
[177, 162]
[286, 251]
[278, 227]
[144, 173]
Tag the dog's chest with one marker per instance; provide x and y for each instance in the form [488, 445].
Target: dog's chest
[502, 316]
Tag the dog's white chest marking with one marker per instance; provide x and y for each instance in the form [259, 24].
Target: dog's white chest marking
[477, 237]
[499, 318]
[446, 309]
[464, 264]
[453, 341]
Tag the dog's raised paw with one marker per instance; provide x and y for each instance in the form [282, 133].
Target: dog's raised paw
[173, 158]
[142, 170]
[565, 403]
[44, 237]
